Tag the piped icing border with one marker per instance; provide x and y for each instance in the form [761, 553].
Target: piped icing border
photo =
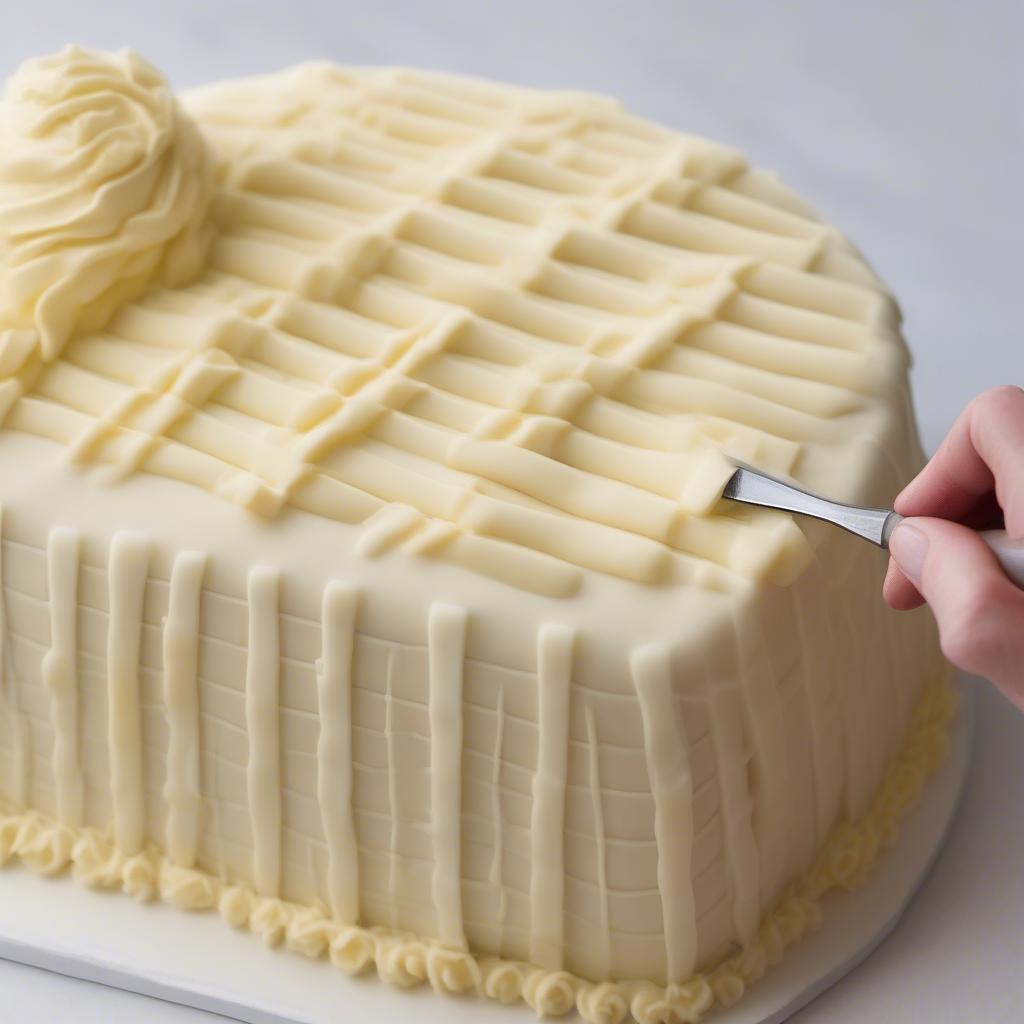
[404, 959]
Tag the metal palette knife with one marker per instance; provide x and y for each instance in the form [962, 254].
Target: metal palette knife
[752, 487]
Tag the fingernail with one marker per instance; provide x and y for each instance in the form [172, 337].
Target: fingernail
[909, 546]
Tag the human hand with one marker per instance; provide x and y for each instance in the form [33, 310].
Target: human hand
[974, 481]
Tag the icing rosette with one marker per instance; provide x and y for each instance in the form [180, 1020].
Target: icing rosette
[141, 875]
[104, 187]
[188, 888]
[602, 1004]
[236, 905]
[402, 961]
[43, 847]
[450, 970]
[353, 949]
[269, 920]
[550, 993]
[310, 932]
[96, 862]
[502, 980]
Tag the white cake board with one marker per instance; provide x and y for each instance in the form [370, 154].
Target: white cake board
[195, 959]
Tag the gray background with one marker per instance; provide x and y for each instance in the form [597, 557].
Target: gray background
[903, 122]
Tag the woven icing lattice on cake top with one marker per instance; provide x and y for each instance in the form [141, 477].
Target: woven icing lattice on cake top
[508, 328]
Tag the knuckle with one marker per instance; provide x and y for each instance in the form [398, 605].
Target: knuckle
[972, 633]
[960, 646]
[1002, 397]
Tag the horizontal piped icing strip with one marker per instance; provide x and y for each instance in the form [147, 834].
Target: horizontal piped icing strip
[507, 328]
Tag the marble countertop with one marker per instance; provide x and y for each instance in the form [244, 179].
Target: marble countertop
[903, 124]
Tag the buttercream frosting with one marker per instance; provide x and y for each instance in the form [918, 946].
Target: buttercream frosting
[363, 569]
[104, 184]
[405, 960]
[506, 328]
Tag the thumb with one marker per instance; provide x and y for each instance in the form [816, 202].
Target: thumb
[980, 613]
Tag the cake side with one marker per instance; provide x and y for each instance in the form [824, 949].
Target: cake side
[467, 356]
[777, 754]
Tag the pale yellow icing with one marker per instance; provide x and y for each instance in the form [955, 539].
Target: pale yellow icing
[262, 698]
[403, 959]
[554, 676]
[505, 328]
[334, 750]
[60, 673]
[481, 684]
[447, 643]
[183, 788]
[668, 766]
[104, 184]
[18, 773]
[129, 563]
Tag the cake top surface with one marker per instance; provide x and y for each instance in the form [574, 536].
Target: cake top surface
[510, 329]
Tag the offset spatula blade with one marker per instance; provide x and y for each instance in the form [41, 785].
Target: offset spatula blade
[752, 487]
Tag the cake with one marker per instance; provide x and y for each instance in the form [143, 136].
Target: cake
[365, 572]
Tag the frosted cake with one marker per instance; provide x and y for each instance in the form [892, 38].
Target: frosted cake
[365, 576]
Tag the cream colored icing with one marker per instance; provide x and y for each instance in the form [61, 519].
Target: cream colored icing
[129, 561]
[464, 333]
[497, 871]
[262, 697]
[60, 673]
[603, 965]
[406, 960]
[19, 744]
[447, 645]
[726, 713]
[334, 751]
[483, 684]
[672, 788]
[104, 184]
[183, 788]
[547, 823]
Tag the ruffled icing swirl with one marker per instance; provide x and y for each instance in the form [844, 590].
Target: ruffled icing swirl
[104, 186]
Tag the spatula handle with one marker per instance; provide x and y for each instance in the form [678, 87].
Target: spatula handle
[1010, 553]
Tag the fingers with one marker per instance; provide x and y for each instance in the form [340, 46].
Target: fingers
[898, 591]
[980, 613]
[977, 471]
[983, 452]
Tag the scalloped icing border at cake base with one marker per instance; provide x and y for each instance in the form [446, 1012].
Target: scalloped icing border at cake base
[404, 959]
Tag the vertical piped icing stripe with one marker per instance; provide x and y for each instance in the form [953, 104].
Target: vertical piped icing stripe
[497, 878]
[547, 822]
[732, 758]
[334, 750]
[129, 565]
[668, 767]
[446, 643]
[20, 750]
[181, 695]
[773, 825]
[60, 674]
[263, 773]
[394, 813]
[597, 809]
[824, 706]
[860, 724]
